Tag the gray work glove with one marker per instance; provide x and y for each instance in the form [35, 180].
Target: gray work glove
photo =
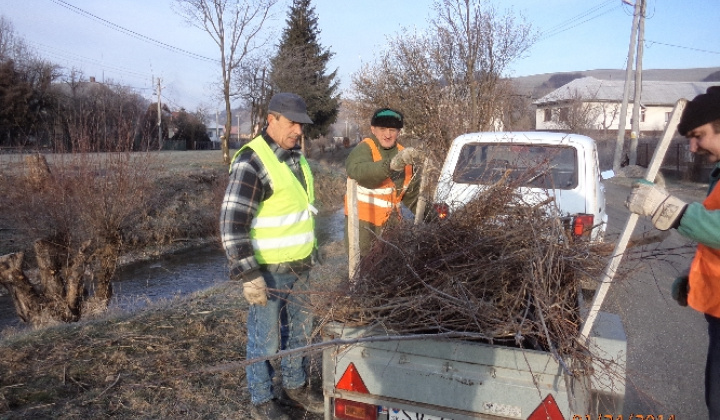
[647, 199]
[680, 289]
[406, 156]
[255, 290]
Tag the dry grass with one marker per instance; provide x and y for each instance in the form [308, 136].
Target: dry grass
[181, 358]
[128, 366]
[168, 361]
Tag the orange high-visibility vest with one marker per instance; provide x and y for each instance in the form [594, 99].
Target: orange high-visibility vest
[704, 278]
[376, 204]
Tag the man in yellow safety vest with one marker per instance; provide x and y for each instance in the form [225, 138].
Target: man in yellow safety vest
[268, 232]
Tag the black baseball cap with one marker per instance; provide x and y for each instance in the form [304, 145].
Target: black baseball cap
[290, 106]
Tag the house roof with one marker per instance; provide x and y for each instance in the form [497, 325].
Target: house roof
[654, 92]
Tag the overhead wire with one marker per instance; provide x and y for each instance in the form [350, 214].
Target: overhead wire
[130, 32]
[590, 14]
[650, 42]
[64, 55]
[579, 16]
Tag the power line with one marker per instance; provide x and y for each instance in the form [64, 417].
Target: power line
[562, 27]
[130, 32]
[65, 55]
[681, 46]
[579, 16]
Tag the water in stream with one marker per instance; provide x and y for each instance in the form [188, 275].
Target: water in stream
[180, 274]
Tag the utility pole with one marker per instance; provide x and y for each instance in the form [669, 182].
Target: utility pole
[638, 85]
[159, 90]
[628, 72]
[217, 129]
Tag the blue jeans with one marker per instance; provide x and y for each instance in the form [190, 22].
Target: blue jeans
[284, 323]
[712, 369]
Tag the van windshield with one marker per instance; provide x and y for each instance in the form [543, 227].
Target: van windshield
[530, 165]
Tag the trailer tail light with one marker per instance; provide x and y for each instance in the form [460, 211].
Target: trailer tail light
[352, 410]
[582, 225]
[547, 410]
[442, 210]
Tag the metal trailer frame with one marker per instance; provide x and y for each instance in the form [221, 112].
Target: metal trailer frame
[465, 380]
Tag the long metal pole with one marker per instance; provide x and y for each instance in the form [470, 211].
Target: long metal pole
[623, 109]
[622, 242]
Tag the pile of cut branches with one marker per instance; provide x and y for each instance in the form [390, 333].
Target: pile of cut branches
[498, 270]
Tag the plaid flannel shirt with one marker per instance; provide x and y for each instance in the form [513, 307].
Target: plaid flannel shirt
[249, 185]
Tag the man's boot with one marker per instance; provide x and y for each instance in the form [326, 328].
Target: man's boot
[269, 410]
[307, 397]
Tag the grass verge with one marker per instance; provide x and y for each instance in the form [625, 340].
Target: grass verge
[177, 358]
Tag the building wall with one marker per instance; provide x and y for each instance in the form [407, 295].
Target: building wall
[603, 116]
[215, 134]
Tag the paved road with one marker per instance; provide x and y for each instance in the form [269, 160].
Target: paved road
[666, 343]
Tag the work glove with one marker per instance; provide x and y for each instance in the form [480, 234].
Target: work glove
[406, 156]
[255, 291]
[680, 289]
[647, 199]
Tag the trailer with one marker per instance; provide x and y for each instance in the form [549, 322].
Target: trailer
[381, 376]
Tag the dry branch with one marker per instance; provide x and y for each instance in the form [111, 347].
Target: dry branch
[499, 268]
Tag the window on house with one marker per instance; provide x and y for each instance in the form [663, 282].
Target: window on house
[547, 114]
[642, 115]
[667, 116]
[564, 114]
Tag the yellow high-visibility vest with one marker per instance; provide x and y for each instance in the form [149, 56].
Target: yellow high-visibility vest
[283, 229]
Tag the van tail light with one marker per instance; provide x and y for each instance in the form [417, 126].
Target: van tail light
[547, 410]
[582, 225]
[442, 210]
[352, 410]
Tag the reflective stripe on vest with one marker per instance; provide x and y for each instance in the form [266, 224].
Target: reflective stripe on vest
[704, 277]
[376, 204]
[283, 229]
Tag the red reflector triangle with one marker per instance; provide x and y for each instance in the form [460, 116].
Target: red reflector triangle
[351, 381]
[547, 410]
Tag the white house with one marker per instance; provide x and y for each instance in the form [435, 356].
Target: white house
[595, 104]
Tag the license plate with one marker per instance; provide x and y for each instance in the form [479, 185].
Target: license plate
[394, 414]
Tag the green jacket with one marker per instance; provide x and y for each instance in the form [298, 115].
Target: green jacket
[360, 167]
[700, 224]
[369, 174]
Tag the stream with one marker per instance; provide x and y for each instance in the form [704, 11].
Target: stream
[136, 285]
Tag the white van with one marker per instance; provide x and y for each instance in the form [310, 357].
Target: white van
[558, 165]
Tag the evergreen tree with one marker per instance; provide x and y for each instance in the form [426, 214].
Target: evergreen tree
[300, 67]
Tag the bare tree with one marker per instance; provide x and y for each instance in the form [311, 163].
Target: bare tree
[12, 46]
[448, 80]
[583, 113]
[254, 86]
[236, 27]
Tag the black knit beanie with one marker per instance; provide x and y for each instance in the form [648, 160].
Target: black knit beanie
[705, 108]
[386, 117]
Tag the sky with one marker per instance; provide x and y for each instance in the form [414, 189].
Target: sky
[134, 42]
